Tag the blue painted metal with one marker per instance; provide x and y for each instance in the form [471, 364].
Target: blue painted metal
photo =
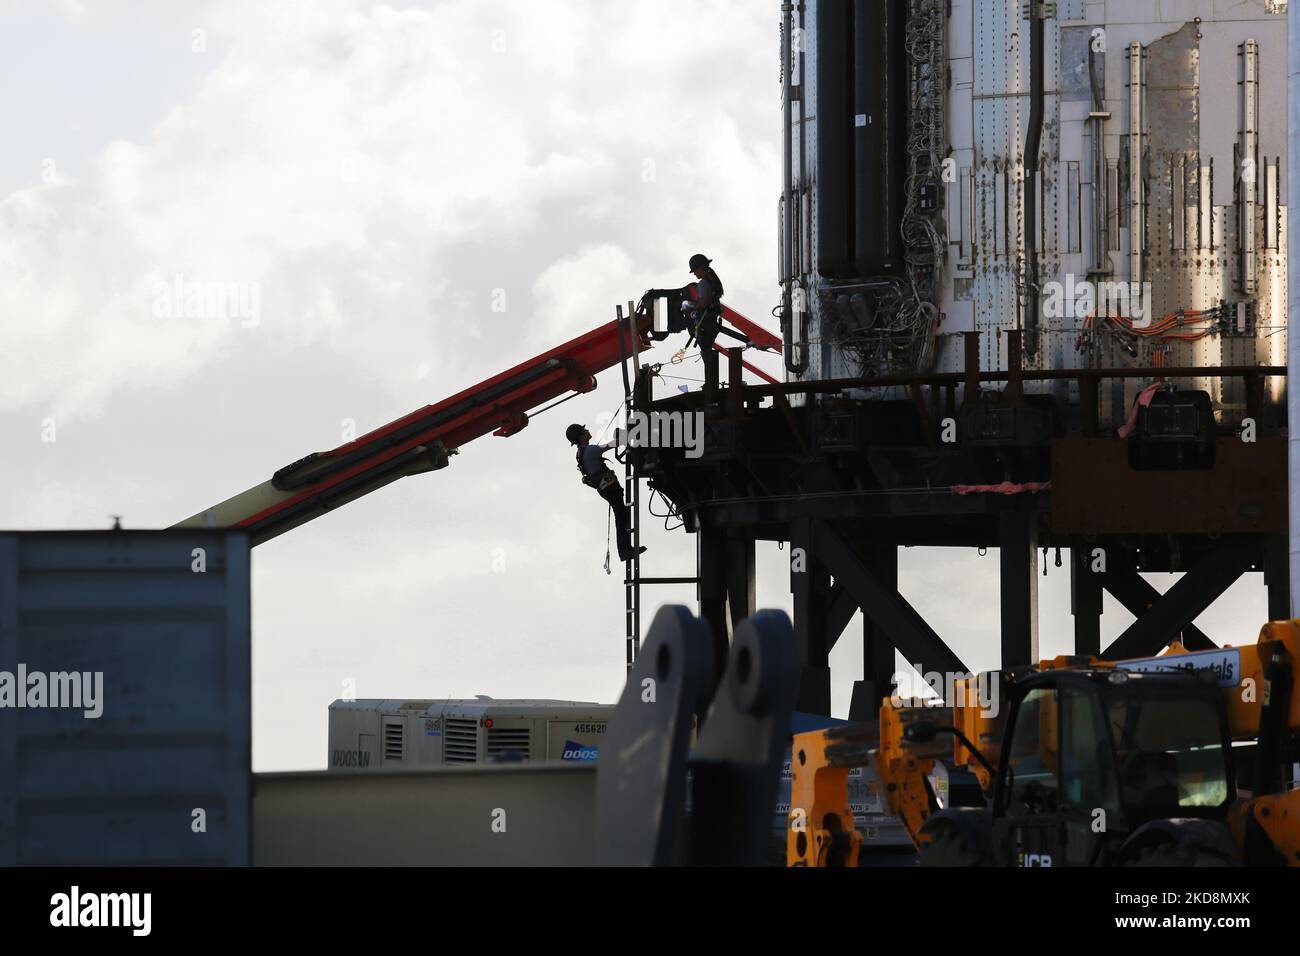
[163, 616]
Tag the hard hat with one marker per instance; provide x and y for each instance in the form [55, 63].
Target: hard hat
[574, 433]
[699, 261]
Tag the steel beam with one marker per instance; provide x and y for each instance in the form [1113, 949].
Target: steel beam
[971, 372]
[1179, 606]
[888, 609]
[1132, 590]
[1096, 492]
[839, 613]
[826, 386]
[877, 650]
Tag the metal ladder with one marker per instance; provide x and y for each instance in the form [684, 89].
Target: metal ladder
[631, 498]
[632, 569]
[632, 579]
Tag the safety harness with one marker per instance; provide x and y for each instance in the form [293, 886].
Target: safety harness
[601, 479]
[705, 317]
[708, 317]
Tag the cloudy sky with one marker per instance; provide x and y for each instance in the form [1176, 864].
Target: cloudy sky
[372, 180]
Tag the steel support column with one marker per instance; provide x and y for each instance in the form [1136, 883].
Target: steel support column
[877, 649]
[1277, 580]
[740, 579]
[1085, 602]
[810, 587]
[712, 570]
[1018, 559]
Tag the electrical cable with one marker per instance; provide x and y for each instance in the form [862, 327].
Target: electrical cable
[672, 511]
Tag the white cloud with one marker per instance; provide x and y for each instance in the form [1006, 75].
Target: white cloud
[378, 172]
[578, 289]
[350, 159]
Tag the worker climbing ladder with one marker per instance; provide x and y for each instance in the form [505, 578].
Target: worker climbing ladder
[632, 579]
[639, 318]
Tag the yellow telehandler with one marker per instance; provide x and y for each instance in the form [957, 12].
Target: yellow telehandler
[1184, 759]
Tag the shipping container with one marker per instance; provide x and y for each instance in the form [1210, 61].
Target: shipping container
[124, 698]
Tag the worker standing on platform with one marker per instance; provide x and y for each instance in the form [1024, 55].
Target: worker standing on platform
[704, 316]
[598, 475]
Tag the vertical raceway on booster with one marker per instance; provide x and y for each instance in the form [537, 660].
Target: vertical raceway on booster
[879, 77]
[834, 138]
[861, 107]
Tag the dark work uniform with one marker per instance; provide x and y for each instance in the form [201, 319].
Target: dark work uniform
[591, 461]
[707, 320]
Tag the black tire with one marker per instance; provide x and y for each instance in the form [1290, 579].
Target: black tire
[950, 847]
[1179, 854]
